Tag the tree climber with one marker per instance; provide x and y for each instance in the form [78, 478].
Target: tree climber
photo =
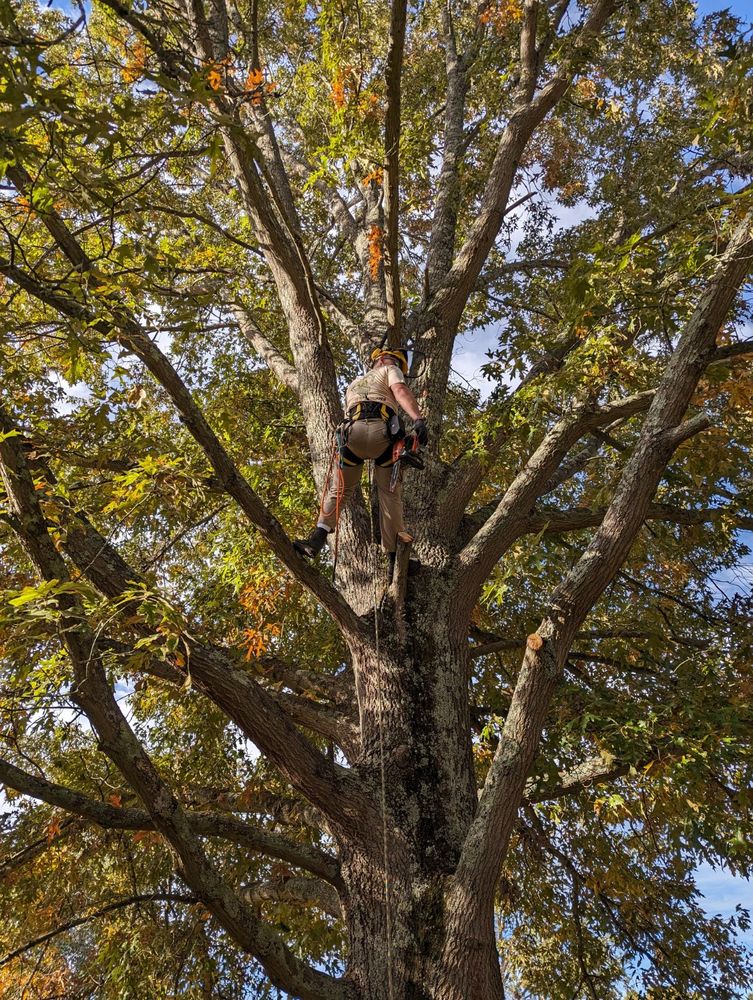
[370, 428]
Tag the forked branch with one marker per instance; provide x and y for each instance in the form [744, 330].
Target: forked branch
[93, 693]
[204, 824]
[547, 648]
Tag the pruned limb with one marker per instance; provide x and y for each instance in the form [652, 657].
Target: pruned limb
[400, 580]
[500, 645]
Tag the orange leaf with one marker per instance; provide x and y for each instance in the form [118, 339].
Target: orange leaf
[254, 79]
[376, 175]
[375, 250]
[338, 91]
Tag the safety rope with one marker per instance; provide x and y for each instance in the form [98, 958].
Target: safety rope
[380, 726]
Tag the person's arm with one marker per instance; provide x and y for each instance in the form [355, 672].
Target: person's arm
[406, 399]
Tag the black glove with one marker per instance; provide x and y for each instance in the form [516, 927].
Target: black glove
[419, 426]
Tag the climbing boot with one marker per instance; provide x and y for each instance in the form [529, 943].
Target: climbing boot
[310, 547]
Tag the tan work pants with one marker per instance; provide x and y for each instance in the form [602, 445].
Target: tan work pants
[368, 439]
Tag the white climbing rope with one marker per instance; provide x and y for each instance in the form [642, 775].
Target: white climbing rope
[380, 717]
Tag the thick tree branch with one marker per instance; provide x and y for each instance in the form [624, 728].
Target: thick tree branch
[336, 689]
[31, 851]
[308, 891]
[447, 198]
[204, 824]
[340, 729]
[506, 523]
[467, 474]
[740, 348]
[393, 74]
[360, 342]
[332, 789]
[530, 110]
[578, 518]
[92, 691]
[468, 471]
[275, 360]
[547, 649]
[590, 772]
[119, 325]
[279, 238]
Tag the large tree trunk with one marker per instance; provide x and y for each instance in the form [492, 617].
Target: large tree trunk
[420, 956]
[416, 756]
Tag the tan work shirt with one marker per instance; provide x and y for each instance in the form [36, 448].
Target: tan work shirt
[375, 385]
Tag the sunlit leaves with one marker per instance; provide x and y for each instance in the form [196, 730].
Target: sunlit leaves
[625, 197]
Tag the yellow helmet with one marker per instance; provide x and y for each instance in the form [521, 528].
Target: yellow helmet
[397, 353]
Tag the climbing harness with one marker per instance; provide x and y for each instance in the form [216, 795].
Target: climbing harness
[370, 409]
[382, 773]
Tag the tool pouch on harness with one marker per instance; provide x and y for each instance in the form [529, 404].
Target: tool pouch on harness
[395, 428]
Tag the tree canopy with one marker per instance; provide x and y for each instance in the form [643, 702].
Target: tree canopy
[211, 212]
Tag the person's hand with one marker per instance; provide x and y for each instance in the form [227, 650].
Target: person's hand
[419, 426]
